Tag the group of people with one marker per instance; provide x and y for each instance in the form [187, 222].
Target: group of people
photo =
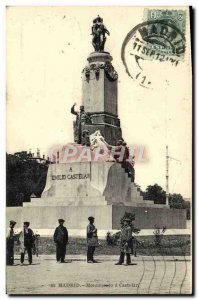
[26, 240]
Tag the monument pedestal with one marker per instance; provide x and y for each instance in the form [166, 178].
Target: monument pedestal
[99, 96]
[75, 190]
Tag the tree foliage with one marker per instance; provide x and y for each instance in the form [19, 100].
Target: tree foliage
[156, 193]
[177, 201]
[24, 176]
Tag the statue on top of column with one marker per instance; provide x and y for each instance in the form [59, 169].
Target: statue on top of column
[98, 31]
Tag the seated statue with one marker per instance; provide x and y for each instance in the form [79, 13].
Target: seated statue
[85, 138]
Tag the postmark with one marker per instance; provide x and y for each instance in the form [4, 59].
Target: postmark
[160, 39]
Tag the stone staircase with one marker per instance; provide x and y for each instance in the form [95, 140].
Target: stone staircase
[136, 198]
[108, 183]
[129, 170]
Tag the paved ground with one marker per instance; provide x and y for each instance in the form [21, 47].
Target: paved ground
[146, 275]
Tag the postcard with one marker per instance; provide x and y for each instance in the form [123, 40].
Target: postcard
[99, 150]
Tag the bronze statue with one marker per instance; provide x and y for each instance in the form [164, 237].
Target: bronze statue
[85, 140]
[98, 31]
[82, 118]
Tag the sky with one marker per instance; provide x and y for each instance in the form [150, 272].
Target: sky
[47, 48]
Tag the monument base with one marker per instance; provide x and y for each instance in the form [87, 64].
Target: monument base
[106, 217]
[76, 190]
[99, 97]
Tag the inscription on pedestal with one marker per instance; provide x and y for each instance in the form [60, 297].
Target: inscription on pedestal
[70, 176]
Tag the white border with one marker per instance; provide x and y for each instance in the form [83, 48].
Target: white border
[3, 4]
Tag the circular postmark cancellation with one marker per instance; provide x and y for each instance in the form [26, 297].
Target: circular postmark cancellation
[156, 40]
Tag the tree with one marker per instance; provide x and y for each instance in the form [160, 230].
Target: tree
[24, 176]
[177, 201]
[155, 192]
[188, 208]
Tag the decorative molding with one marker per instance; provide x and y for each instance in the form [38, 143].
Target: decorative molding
[110, 72]
[103, 113]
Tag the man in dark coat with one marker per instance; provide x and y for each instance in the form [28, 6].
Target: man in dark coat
[92, 240]
[10, 244]
[61, 240]
[126, 242]
[26, 240]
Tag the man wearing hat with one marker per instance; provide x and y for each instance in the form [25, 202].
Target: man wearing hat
[26, 240]
[92, 240]
[61, 240]
[125, 243]
[10, 244]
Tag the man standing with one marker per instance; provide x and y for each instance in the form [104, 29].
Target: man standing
[10, 244]
[61, 240]
[125, 243]
[92, 240]
[26, 240]
[82, 118]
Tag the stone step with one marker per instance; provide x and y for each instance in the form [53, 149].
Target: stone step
[67, 201]
[63, 204]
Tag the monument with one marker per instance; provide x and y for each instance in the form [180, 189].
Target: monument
[99, 89]
[105, 187]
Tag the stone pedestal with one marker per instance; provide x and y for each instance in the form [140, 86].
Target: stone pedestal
[99, 90]
[75, 190]
[99, 96]
[88, 184]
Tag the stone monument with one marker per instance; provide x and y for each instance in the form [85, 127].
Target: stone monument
[99, 88]
[103, 188]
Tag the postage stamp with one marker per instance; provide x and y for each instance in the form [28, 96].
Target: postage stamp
[164, 36]
[176, 17]
[161, 38]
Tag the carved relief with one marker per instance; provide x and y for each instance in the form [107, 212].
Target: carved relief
[108, 68]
